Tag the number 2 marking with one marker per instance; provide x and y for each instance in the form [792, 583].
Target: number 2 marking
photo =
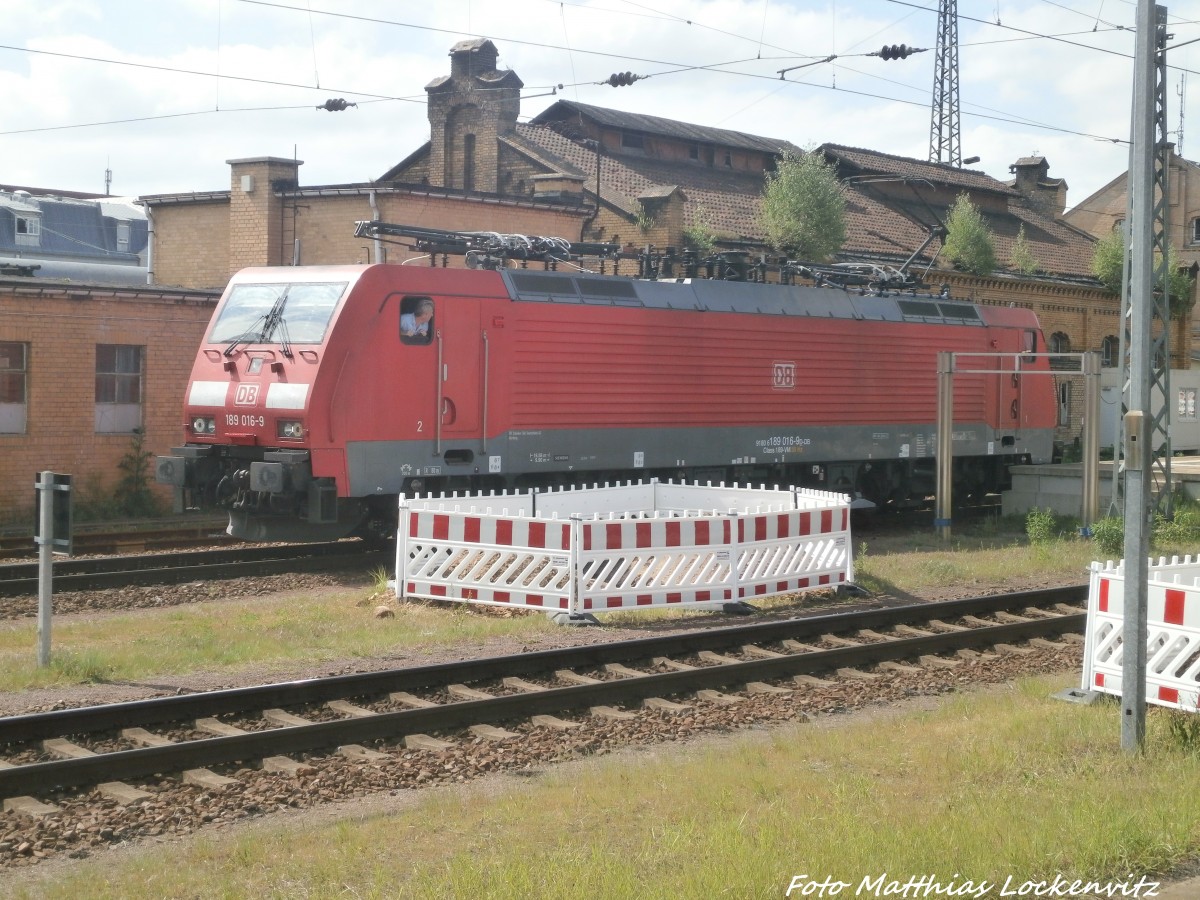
[420, 426]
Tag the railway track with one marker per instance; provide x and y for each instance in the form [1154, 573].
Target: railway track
[94, 573]
[134, 537]
[431, 707]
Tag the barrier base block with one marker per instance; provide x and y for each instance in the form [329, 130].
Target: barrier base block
[740, 608]
[1078, 695]
[561, 617]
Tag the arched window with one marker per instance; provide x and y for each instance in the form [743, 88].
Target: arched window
[1060, 343]
[1109, 350]
[1196, 230]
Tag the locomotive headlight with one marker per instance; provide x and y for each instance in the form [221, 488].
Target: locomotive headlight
[290, 430]
[204, 425]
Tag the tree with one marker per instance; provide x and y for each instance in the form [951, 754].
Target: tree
[1022, 257]
[1108, 262]
[804, 207]
[969, 245]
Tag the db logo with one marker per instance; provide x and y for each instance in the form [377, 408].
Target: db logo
[247, 395]
[784, 374]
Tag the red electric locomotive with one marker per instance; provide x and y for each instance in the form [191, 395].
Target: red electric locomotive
[322, 393]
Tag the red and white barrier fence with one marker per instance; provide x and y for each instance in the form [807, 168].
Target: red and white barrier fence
[1173, 631]
[622, 546]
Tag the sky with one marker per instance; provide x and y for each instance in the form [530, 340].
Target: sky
[162, 93]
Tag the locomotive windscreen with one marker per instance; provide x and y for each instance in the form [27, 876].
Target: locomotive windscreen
[258, 313]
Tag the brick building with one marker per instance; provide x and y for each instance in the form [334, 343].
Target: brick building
[82, 367]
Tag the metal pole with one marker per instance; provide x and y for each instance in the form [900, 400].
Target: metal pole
[45, 565]
[1091, 442]
[1138, 452]
[945, 443]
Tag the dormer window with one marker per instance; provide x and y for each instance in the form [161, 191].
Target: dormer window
[631, 141]
[29, 231]
[728, 159]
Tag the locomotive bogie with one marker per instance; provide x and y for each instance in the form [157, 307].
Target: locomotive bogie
[406, 380]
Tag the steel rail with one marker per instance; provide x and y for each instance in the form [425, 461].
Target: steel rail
[139, 763]
[21, 579]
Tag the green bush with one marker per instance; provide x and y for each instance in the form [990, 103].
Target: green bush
[1109, 536]
[1041, 525]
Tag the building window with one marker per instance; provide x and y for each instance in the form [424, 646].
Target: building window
[1186, 407]
[1109, 351]
[29, 231]
[728, 159]
[118, 388]
[1118, 225]
[694, 151]
[469, 162]
[632, 141]
[1059, 343]
[13, 397]
[123, 236]
[1064, 403]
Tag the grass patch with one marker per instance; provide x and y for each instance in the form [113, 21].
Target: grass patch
[227, 635]
[984, 787]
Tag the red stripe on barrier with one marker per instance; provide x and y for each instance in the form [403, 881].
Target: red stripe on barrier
[1173, 612]
[587, 602]
[703, 596]
[612, 536]
[674, 598]
[413, 522]
[1104, 594]
[644, 600]
[781, 586]
[471, 530]
[1099, 679]
[438, 590]
[805, 524]
[781, 525]
[845, 519]
[502, 596]
[441, 527]
[760, 589]
[642, 535]
[741, 535]
[824, 579]
[826, 521]
[613, 601]
[537, 534]
[673, 533]
[587, 537]
[727, 531]
[534, 600]
[728, 595]
[760, 528]
[741, 593]
[1170, 695]
[412, 587]
[802, 583]
[565, 539]
[504, 531]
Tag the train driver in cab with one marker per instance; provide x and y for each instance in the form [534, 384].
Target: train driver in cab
[414, 323]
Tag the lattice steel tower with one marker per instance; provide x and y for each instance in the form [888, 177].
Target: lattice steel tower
[945, 140]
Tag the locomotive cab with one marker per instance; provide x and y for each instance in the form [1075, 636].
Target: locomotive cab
[248, 412]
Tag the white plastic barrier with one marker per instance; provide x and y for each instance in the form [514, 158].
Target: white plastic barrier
[571, 551]
[1173, 631]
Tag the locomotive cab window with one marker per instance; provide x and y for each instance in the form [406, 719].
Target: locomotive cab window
[416, 320]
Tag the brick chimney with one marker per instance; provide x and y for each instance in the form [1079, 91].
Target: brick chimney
[468, 110]
[255, 210]
[1033, 181]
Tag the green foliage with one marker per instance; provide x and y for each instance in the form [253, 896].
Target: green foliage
[1180, 531]
[1183, 729]
[642, 219]
[969, 244]
[133, 496]
[1108, 264]
[700, 237]
[804, 207]
[1022, 257]
[1108, 534]
[1041, 525]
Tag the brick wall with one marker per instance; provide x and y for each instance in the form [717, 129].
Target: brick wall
[62, 326]
[191, 244]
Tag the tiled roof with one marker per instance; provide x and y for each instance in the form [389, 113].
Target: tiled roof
[872, 162]
[684, 131]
